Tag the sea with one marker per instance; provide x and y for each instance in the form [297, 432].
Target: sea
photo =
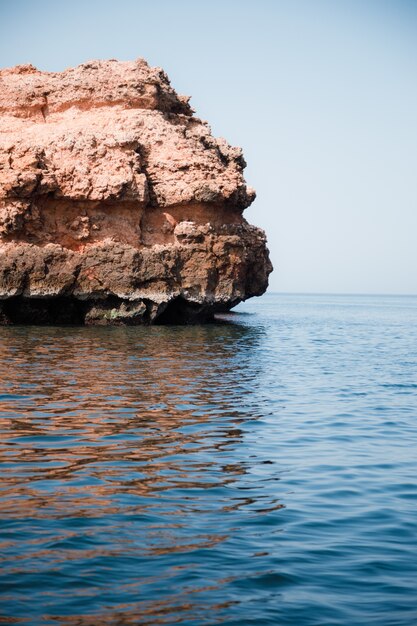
[259, 470]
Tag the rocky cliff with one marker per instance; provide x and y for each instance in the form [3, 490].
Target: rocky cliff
[116, 203]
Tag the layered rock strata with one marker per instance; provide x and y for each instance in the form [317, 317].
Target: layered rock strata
[116, 203]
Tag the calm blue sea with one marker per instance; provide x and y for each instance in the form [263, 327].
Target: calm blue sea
[258, 471]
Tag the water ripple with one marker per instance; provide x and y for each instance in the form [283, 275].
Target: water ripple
[256, 471]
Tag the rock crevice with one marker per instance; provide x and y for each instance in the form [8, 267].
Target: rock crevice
[116, 203]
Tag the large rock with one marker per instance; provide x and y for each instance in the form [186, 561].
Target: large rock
[116, 204]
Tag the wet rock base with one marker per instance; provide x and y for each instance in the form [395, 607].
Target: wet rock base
[64, 311]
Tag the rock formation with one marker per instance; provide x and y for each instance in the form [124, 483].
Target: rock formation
[116, 203]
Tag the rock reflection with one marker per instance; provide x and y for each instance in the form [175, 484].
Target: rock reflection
[125, 449]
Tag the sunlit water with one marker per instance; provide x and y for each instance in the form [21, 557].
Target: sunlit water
[260, 471]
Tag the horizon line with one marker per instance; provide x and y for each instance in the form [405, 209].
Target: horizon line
[339, 293]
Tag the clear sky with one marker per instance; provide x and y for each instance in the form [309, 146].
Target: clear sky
[321, 95]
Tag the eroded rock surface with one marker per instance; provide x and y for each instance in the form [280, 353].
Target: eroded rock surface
[116, 203]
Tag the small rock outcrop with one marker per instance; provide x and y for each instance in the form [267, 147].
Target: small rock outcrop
[116, 203]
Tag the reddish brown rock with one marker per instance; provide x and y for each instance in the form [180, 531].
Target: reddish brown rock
[116, 203]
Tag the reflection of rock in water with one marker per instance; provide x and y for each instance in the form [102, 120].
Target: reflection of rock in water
[141, 434]
[140, 402]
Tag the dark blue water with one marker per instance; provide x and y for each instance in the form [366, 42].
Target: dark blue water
[262, 471]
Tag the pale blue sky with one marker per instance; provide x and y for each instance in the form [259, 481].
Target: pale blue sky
[321, 95]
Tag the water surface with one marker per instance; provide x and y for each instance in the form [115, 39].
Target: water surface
[261, 470]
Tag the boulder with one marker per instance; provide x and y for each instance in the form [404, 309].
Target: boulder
[117, 205]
